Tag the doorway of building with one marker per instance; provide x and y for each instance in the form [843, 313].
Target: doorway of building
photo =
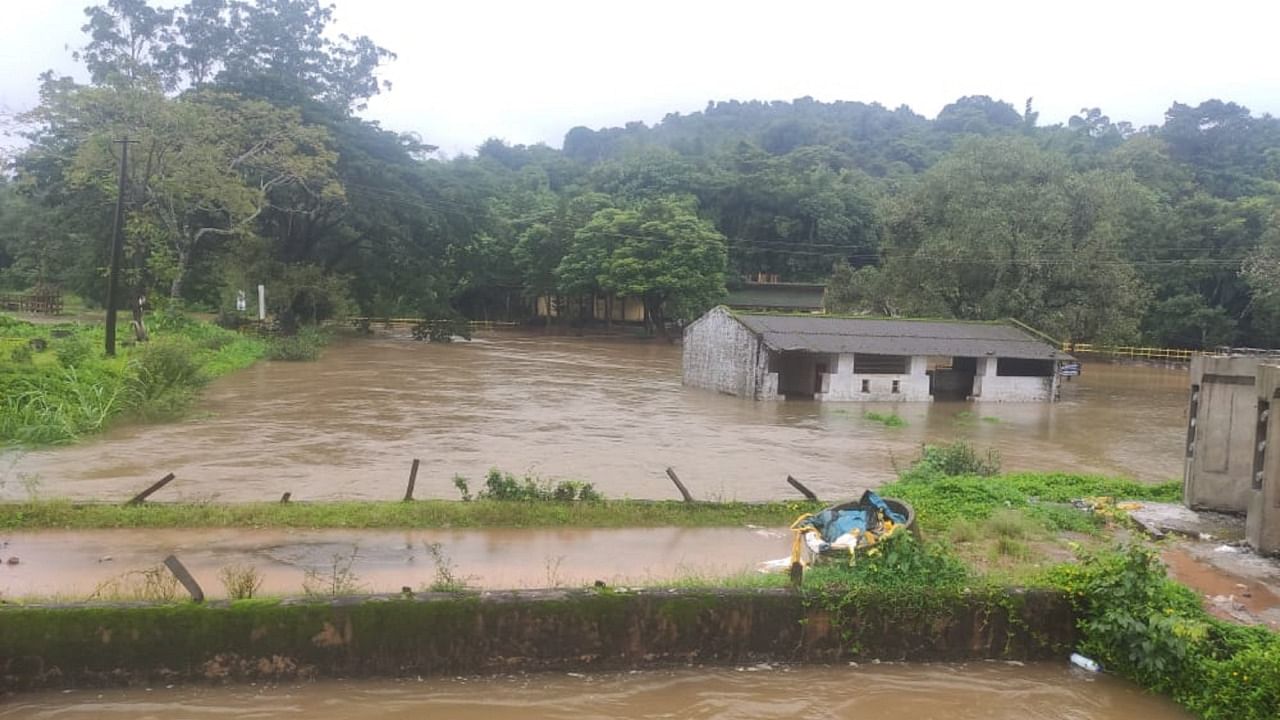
[800, 373]
[954, 381]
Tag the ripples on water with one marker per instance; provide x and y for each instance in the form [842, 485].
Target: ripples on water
[610, 411]
[989, 691]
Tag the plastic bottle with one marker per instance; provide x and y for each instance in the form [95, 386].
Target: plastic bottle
[1081, 661]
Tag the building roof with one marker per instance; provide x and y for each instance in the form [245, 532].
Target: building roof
[825, 334]
[792, 296]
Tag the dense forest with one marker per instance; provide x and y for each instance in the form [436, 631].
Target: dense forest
[250, 164]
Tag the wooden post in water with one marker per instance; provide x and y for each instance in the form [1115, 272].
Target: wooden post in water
[803, 490]
[137, 499]
[184, 576]
[679, 485]
[285, 498]
[413, 478]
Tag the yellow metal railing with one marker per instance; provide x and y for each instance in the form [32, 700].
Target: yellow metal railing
[1149, 353]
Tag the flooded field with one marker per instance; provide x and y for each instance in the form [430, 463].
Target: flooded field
[611, 411]
[73, 565]
[989, 691]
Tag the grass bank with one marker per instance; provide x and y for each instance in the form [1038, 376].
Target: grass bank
[985, 530]
[57, 384]
[39, 515]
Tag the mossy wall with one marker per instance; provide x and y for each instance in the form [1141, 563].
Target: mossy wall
[500, 632]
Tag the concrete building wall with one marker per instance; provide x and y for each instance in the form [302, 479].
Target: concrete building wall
[625, 309]
[1262, 527]
[989, 386]
[721, 354]
[1221, 420]
[846, 383]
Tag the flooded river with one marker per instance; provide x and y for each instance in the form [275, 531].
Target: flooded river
[608, 410]
[989, 691]
[74, 565]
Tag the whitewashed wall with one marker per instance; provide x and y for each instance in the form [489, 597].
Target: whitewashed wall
[990, 387]
[721, 354]
[846, 383]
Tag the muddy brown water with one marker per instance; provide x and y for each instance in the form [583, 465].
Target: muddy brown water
[990, 691]
[611, 411]
[73, 565]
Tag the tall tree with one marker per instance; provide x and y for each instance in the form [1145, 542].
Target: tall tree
[1003, 229]
[661, 252]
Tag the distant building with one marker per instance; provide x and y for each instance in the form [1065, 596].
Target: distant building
[768, 357]
[620, 309]
[775, 295]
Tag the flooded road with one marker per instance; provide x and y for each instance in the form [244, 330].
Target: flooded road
[71, 565]
[989, 691]
[610, 411]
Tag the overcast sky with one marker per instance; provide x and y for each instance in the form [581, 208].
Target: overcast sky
[528, 71]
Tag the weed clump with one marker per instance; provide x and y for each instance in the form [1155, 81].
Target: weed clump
[154, 584]
[304, 345]
[336, 580]
[506, 486]
[958, 458]
[891, 420]
[241, 582]
[447, 578]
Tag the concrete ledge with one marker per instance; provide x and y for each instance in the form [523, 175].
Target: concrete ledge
[76, 645]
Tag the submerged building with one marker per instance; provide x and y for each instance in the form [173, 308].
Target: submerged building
[819, 357]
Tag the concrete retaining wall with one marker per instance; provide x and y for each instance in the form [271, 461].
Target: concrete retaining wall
[504, 632]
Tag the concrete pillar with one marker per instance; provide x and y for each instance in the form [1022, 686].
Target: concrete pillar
[1221, 419]
[1262, 528]
[919, 365]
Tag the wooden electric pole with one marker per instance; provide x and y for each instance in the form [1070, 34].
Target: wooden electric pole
[117, 243]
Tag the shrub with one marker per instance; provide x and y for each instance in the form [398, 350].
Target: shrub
[1143, 626]
[958, 458]
[164, 376]
[73, 350]
[241, 582]
[442, 330]
[899, 575]
[505, 486]
[305, 345]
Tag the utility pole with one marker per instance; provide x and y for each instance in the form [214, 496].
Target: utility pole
[117, 242]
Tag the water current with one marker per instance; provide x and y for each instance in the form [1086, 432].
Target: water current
[608, 410]
[986, 691]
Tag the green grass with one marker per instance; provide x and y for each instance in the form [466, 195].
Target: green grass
[940, 500]
[69, 388]
[304, 345]
[44, 514]
[892, 420]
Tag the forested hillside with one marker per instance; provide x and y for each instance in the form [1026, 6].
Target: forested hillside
[252, 165]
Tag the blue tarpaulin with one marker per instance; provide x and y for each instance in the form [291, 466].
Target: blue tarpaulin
[832, 523]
